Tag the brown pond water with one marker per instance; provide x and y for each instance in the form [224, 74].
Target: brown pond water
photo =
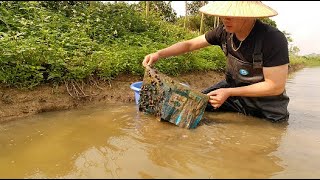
[118, 141]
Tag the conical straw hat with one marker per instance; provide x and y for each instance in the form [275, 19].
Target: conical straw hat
[255, 9]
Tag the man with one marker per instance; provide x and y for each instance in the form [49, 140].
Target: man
[257, 60]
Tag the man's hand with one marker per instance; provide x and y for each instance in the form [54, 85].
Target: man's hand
[150, 59]
[176, 49]
[217, 97]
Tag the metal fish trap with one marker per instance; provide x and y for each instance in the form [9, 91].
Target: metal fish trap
[171, 101]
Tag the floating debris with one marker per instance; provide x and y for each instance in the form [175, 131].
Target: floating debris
[171, 101]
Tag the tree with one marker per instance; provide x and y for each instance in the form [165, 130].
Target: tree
[294, 50]
[269, 21]
[160, 8]
[147, 8]
[194, 6]
[197, 20]
[186, 15]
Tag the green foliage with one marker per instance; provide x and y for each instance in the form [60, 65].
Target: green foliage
[269, 21]
[313, 60]
[193, 23]
[194, 6]
[162, 9]
[57, 41]
[194, 17]
[306, 60]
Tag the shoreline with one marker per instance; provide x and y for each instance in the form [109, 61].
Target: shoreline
[17, 103]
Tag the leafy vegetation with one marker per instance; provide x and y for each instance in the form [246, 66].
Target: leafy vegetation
[308, 61]
[69, 41]
[58, 41]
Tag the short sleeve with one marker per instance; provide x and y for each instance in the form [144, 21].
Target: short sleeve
[275, 49]
[214, 37]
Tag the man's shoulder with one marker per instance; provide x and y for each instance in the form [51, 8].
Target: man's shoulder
[216, 35]
[272, 33]
[275, 46]
[265, 27]
[218, 30]
[269, 28]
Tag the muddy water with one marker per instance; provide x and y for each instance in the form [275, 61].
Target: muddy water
[118, 141]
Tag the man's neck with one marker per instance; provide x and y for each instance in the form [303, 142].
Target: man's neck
[244, 33]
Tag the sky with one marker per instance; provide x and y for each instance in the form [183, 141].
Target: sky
[299, 18]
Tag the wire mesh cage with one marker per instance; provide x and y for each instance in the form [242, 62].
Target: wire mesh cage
[170, 100]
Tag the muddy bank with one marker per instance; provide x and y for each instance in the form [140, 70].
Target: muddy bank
[17, 103]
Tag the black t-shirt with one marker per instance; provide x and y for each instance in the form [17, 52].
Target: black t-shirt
[274, 48]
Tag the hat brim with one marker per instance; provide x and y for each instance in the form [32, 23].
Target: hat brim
[244, 9]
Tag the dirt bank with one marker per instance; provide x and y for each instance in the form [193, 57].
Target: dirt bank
[16, 103]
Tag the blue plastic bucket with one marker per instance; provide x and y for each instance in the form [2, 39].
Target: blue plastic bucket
[136, 87]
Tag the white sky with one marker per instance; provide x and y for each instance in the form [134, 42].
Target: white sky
[299, 18]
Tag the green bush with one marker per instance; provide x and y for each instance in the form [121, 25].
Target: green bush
[57, 41]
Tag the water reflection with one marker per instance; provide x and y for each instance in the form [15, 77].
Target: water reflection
[49, 143]
[299, 148]
[225, 146]
[118, 141]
